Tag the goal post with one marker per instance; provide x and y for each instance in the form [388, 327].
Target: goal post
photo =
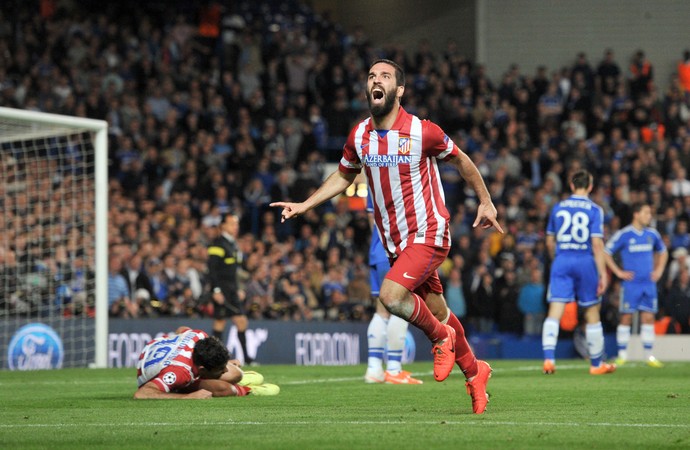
[53, 242]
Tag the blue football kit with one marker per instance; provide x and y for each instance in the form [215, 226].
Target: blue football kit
[636, 249]
[574, 222]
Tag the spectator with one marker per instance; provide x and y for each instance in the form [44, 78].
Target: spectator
[135, 275]
[483, 304]
[142, 299]
[550, 106]
[259, 292]
[608, 73]
[582, 69]
[680, 185]
[681, 236]
[335, 301]
[119, 302]
[641, 75]
[176, 119]
[159, 286]
[531, 303]
[256, 199]
[455, 295]
[509, 317]
[680, 262]
[684, 74]
[677, 303]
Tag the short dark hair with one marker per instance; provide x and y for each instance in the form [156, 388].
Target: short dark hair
[581, 179]
[210, 353]
[224, 217]
[637, 206]
[399, 72]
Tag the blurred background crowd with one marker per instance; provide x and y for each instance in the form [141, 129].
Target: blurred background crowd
[208, 116]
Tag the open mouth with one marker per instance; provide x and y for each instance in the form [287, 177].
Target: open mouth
[377, 93]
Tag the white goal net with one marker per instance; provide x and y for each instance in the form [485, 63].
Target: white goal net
[53, 208]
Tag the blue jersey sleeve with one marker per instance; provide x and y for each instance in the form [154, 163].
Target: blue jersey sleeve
[659, 246]
[613, 246]
[550, 225]
[597, 229]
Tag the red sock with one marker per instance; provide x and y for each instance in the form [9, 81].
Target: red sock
[241, 390]
[463, 353]
[423, 319]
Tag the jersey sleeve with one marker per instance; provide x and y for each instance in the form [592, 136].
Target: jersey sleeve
[172, 379]
[551, 224]
[659, 246]
[614, 244]
[350, 162]
[436, 142]
[598, 222]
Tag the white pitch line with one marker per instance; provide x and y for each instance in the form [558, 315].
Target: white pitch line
[487, 422]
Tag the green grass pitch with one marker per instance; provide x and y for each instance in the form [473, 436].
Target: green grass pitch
[331, 408]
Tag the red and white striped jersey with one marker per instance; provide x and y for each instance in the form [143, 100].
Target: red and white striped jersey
[167, 361]
[401, 166]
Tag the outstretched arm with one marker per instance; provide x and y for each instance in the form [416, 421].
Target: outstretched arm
[150, 391]
[486, 211]
[335, 184]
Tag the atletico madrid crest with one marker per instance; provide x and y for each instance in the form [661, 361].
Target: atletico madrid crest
[404, 145]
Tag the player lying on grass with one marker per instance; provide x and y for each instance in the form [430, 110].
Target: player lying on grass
[190, 364]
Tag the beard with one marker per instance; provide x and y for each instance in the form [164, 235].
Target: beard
[382, 110]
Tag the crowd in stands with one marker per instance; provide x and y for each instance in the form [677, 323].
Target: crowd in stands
[230, 119]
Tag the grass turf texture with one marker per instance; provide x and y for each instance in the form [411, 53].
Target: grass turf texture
[331, 408]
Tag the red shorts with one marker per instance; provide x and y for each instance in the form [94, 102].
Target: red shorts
[415, 268]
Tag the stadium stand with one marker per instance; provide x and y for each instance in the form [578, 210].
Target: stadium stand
[214, 110]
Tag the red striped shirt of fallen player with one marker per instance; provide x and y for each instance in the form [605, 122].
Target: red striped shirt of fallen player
[167, 361]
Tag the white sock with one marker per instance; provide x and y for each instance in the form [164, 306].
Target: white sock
[622, 339]
[549, 338]
[376, 341]
[396, 331]
[595, 342]
[647, 337]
